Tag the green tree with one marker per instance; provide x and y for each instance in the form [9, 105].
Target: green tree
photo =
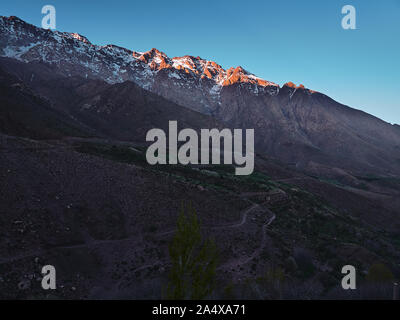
[194, 260]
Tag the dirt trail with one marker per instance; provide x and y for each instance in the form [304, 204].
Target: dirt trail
[243, 220]
[288, 180]
[242, 260]
[39, 252]
[223, 226]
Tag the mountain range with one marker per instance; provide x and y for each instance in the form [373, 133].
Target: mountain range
[73, 121]
[292, 123]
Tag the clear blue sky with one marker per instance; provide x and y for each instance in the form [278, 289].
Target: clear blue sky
[280, 41]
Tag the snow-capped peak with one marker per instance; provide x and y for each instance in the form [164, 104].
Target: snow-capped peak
[80, 37]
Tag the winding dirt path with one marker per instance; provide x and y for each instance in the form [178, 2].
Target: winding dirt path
[230, 225]
[39, 252]
[241, 261]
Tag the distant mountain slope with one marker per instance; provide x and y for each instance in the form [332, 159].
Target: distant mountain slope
[304, 129]
[121, 111]
[24, 113]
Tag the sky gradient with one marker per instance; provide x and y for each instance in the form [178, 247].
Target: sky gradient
[302, 42]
